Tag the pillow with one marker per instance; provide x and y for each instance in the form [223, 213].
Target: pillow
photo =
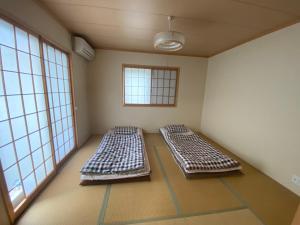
[176, 128]
[126, 130]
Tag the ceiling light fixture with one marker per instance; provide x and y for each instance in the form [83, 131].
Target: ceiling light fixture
[170, 40]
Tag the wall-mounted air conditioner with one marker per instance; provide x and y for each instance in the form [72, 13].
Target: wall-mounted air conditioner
[81, 47]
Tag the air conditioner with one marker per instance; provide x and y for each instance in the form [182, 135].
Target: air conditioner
[81, 47]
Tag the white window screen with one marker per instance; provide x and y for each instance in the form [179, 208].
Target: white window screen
[60, 100]
[30, 148]
[149, 86]
[25, 145]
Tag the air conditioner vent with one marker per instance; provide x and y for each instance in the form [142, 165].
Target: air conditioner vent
[81, 47]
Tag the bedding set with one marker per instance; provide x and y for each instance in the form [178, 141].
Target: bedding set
[120, 155]
[195, 155]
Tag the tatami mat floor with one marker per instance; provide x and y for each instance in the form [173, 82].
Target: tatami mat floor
[248, 198]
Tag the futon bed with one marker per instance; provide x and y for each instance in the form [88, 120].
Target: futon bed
[193, 154]
[120, 156]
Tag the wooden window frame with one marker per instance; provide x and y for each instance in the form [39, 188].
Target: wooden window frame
[137, 66]
[14, 213]
[71, 101]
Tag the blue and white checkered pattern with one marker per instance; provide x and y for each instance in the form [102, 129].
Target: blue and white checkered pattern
[126, 130]
[176, 128]
[197, 154]
[116, 154]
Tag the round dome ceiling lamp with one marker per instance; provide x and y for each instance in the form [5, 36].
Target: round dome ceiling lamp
[170, 40]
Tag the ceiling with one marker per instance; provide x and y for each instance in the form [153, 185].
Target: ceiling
[210, 26]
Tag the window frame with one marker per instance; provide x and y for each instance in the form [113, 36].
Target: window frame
[72, 101]
[14, 213]
[138, 66]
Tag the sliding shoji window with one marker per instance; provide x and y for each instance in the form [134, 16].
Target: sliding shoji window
[60, 100]
[137, 85]
[163, 86]
[149, 85]
[36, 116]
[25, 146]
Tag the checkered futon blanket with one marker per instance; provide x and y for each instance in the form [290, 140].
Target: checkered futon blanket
[116, 154]
[197, 154]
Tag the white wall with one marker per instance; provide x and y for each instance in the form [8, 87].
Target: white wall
[29, 13]
[105, 92]
[252, 103]
[80, 68]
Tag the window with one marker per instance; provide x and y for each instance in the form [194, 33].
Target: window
[145, 85]
[59, 92]
[25, 148]
[36, 121]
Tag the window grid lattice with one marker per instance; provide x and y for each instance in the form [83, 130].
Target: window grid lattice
[35, 92]
[59, 94]
[150, 86]
[25, 147]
